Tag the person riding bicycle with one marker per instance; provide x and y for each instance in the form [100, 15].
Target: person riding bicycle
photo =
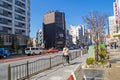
[66, 54]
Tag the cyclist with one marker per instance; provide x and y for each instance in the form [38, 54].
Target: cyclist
[65, 54]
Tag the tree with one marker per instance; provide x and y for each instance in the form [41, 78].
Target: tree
[29, 43]
[1, 42]
[14, 43]
[96, 23]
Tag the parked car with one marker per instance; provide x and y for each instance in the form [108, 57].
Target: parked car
[51, 50]
[4, 52]
[33, 50]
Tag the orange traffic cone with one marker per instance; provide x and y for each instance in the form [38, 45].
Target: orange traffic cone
[71, 77]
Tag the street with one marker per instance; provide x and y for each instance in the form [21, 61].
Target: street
[22, 60]
[18, 60]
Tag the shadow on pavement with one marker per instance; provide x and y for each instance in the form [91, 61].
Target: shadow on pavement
[75, 63]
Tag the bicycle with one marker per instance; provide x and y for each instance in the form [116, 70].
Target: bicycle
[65, 59]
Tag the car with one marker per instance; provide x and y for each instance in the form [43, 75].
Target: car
[33, 50]
[51, 50]
[4, 52]
[71, 48]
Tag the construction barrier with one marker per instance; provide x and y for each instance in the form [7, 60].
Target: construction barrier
[72, 76]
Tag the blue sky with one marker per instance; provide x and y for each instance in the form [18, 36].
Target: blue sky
[73, 9]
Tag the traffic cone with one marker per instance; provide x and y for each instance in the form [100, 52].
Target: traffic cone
[71, 77]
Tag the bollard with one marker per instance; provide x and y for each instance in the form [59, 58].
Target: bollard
[9, 72]
[27, 70]
[50, 62]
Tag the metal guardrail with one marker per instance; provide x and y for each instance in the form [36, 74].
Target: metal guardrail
[29, 69]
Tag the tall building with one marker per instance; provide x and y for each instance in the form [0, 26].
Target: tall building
[33, 42]
[39, 38]
[54, 29]
[116, 7]
[14, 23]
[87, 37]
[68, 39]
[112, 26]
[77, 33]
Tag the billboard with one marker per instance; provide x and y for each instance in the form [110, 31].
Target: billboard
[118, 3]
[115, 5]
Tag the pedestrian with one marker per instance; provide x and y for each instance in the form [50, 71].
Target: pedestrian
[115, 45]
[66, 54]
[108, 65]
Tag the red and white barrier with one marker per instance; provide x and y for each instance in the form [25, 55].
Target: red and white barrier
[72, 76]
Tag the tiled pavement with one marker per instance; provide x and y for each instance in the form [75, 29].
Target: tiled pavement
[113, 73]
[61, 72]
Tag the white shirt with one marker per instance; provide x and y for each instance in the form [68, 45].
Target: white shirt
[65, 51]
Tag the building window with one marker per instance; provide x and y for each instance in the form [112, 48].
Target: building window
[1, 20]
[18, 17]
[1, 11]
[19, 24]
[23, 0]
[18, 3]
[1, 2]
[9, 1]
[1, 28]
[18, 10]
[7, 38]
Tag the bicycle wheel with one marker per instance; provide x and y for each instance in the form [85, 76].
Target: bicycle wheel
[63, 61]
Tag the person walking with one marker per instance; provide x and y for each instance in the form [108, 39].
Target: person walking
[66, 54]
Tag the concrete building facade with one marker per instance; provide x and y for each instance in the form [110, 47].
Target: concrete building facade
[39, 38]
[112, 26]
[77, 33]
[14, 23]
[54, 30]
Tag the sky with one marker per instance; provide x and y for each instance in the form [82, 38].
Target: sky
[73, 9]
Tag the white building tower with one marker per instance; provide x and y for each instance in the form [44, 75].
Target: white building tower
[14, 22]
[77, 33]
[39, 38]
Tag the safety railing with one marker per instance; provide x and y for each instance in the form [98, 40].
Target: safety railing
[29, 69]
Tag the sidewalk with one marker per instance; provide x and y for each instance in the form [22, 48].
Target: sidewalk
[60, 72]
[113, 73]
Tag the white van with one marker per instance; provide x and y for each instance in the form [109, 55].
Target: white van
[33, 50]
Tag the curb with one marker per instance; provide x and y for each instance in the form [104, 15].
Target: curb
[72, 75]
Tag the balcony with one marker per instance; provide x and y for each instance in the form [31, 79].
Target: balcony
[7, 43]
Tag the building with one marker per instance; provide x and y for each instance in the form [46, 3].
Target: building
[39, 38]
[87, 37]
[68, 39]
[33, 42]
[112, 26]
[116, 9]
[14, 23]
[77, 33]
[54, 30]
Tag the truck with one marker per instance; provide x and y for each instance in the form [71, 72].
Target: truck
[4, 52]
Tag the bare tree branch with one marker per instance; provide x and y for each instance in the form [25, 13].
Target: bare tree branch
[96, 22]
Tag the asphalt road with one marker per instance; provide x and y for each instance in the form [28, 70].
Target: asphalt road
[21, 60]
[16, 61]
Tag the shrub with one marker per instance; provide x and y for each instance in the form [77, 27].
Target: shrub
[90, 60]
[102, 53]
[102, 61]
